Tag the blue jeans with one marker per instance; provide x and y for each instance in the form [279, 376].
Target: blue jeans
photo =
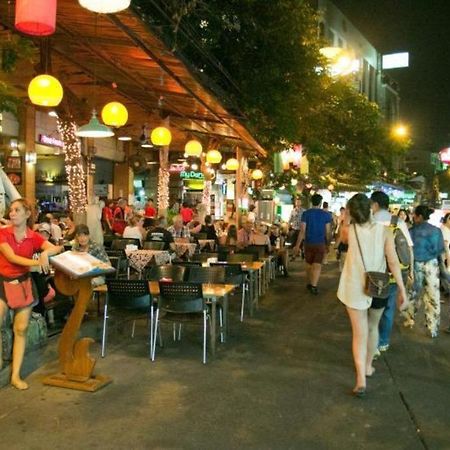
[387, 319]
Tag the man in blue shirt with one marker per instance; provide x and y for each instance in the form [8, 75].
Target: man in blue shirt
[316, 231]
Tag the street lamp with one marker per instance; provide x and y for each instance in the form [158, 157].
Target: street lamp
[400, 131]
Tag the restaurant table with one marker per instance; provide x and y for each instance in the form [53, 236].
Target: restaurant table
[204, 242]
[182, 247]
[254, 269]
[214, 293]
[138, 259]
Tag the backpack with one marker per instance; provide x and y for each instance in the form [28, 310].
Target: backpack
[400, 242]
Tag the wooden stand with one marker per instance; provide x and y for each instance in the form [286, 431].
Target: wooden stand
[76, 364]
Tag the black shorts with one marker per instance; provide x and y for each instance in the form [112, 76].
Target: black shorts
[379, 303]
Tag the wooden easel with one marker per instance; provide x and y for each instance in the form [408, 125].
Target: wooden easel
[76, 364]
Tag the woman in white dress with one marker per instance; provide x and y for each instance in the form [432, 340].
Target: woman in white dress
[377, 245]
[135, 228]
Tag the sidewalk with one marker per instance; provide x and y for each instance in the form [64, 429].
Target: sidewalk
[282, 381]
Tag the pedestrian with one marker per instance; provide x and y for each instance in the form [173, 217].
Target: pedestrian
[315, 230]
[18, 243]
[295, 220]
[380, 209]
[428, 247]
[370, 245]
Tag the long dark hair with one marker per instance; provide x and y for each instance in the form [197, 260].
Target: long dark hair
[27, 206]
[359, 209]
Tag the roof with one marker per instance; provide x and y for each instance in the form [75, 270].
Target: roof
[117, 57]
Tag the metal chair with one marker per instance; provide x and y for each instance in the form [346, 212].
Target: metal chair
[131, 296]
[200, 236]
[203, 257]
[236, 276]
[154, 245]
[121, 243]
[261, 251]
[214, 275]
[181, 302]
[119, 261]
[241, 258]
[174, 272]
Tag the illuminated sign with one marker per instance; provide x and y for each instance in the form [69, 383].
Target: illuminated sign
[49, 140]
[396, 60]
[444, 155]
[192, 175]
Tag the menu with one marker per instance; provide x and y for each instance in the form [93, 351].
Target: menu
[80, 265]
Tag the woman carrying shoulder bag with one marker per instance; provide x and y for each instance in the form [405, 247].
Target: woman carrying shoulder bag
[370, 244]
[18, 242]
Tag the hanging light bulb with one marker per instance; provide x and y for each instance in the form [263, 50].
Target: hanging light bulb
[114, 114]
[36, 17]
[105, 6]
[232, 164]
[257, 174]
[214, 157]
[94, 129]
[161, 136]
[45, 90]
[193, 148]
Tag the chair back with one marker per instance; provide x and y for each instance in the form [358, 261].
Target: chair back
[261, 251]
[174, 272]
[233, 273]
[129, 294]
[215, 275]
[121, 243]
[224, 250]
[241, 258]
[181, 297]
[154, 245]
[198, 236]
[203, 257]
[187, 263]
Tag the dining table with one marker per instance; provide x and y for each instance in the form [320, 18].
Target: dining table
[138, 259]
[211, 243]
[254, 271]
[182, 247]
[215, 293]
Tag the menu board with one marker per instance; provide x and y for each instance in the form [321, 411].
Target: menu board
[80, 265]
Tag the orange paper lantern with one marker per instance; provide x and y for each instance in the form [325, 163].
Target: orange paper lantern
[36, 17]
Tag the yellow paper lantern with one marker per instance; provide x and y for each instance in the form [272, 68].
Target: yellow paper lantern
[114, 114]
[257, 174]
[45, 90]
[214, 157]
[232, 164]
[161, 136]
[193, 148]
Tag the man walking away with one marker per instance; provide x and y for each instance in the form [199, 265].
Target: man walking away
[316, 231]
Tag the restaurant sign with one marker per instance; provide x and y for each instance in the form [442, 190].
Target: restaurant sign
[49, 140]
[192, 175]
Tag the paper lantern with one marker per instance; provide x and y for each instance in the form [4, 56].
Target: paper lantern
[161, 136]
[193, 148]
[214, 157]
[257, 174]
[105, 6]
[114, 114]
[36, 17]
[232, 164]
[45, 90]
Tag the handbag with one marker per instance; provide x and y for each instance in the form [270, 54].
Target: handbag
[18, 291]
[376, 283]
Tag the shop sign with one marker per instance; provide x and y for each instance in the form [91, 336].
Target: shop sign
[192, 175]
[49, 140]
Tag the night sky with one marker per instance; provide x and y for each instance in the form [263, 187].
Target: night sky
[421, 27]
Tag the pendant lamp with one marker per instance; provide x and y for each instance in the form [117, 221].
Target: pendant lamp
[45, 90]
[161, 136]
[105, 6]
[232, 164]
[94, 129]
[193, 148]
[257, 174]
[114, 114]
[36, 17]
[214, 157]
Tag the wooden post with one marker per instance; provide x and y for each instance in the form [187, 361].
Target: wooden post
[238, 186]
[28, 131]
[123, 176]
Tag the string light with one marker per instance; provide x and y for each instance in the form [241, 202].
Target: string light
[206, 198]
[163, 189]
[73, 165]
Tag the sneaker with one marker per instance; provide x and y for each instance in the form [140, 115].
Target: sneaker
[383, 348]
[408, 323]
[309, 286]
[376, 355]
[314, 290]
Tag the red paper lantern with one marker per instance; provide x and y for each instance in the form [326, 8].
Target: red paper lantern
[36, 17]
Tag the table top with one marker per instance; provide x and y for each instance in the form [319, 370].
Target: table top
[255, 265]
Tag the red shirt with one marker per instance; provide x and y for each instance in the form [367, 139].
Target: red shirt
[150, 212]
[31, 244]
[186, 214]
[107, 213]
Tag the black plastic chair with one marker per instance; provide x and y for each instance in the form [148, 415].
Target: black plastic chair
[187, 263]
[203, 257]
[119, 261]
[200, 236]
[132, 297]
[174, 272]
[154, 245]
[213, 275]
[261, 251]
[236, 276]
[236, 258]
[180, 303]
[121, 243]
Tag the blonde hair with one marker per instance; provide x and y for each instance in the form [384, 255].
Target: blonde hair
[27, 206]
[134, 220]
